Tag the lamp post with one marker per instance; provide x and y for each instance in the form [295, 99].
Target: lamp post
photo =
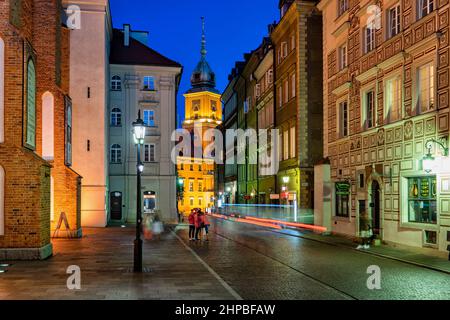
[139, 136]
[428, 159]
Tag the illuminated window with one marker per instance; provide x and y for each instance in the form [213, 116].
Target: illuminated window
[116, 153]
[342, 196]
[116, 83]
[425, 87]
[293, 141]
[422, 204]
[393, 99]
[48, 126]
[293, 85]
[286, 145]
[191, 186]
[116, 117]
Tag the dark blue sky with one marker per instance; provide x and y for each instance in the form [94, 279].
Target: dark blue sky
[233, 27]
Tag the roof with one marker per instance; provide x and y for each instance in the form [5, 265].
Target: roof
[136, 53]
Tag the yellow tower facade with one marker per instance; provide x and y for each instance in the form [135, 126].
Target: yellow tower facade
[203, 110]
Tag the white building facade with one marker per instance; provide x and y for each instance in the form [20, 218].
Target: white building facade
[141, 80]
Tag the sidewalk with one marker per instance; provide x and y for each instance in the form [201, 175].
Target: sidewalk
[105, 257]
[417, 256]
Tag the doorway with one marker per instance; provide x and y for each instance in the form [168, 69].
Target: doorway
[116, 205]
[375, 206]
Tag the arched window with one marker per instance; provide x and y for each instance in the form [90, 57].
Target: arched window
[116, 153]
[48, 126]
[30, 139]
[116, 83]
[116, 117]
[2, 90]
[2, 201]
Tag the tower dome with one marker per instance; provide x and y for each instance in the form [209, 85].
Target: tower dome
[203, 77]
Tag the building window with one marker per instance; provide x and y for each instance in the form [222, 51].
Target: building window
[286, 145]
[48, 129]
[422, 204]
[2, 91]
[191, 186]
[200, 186]
[343, 6]
[394, 21]
[200, 201]
[279, 56]
[393, 99]
[342, 52]
[116, 153]
[369, 38]
[286, 90]
[116, 117]
[293, 142]
[116, 83]
[342, 199]
[258, 90]
[149, 152]
[425, 87]
[213, 106]
[280, 96]
[369, 110]
[293, 85]
[270, 76]
[284, 49]
[68, 131]
[149, 83]
[343, 119]
[425, 7]
[191, 201]
[292, 42]
[30, 140]
[149, 118]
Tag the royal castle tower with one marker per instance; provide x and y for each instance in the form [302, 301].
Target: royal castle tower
[203, 111]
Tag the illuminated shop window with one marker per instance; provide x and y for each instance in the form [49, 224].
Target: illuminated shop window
[422, 204]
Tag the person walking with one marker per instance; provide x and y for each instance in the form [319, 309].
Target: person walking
[191, 219]
[207, 224]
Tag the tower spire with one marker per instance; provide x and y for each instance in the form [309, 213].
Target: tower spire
[203, 51]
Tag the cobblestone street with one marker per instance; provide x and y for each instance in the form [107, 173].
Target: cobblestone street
[239, 261]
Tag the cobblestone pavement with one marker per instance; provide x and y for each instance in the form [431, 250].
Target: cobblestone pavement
[105, 257]
[261, 264]
[239, 261]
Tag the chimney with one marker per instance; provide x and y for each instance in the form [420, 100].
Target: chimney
[126, 35]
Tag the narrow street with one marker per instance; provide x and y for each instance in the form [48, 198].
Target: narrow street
[239, 262]
[262, 264]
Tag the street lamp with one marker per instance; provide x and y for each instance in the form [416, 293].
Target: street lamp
[286, 179]
[139, 136]
[428, 161]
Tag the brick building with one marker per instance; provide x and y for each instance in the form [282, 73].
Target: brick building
[37, 183]
[386, 95]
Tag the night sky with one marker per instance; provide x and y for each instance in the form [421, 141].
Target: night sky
[233, 27]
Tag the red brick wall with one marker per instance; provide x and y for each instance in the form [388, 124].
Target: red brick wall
[27, 175]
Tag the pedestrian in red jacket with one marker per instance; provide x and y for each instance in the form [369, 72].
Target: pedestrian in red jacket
[199, 225]
[191, 219]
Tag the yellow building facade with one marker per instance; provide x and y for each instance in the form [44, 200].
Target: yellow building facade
[203, 111]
